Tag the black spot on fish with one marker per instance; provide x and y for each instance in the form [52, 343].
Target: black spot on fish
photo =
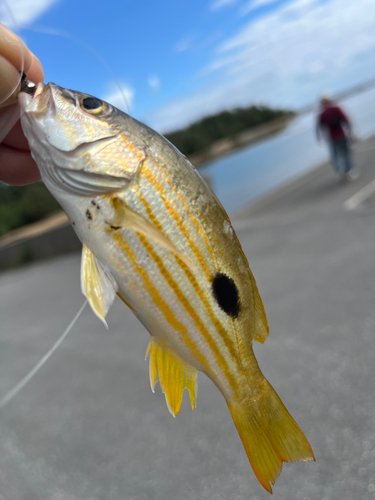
[93, 203]
[88, 214]
[73, 223]
[226, 294]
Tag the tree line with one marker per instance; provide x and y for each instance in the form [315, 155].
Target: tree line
[200, 135]
[23, 205]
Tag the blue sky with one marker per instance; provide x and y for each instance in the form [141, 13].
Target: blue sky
[179, 60]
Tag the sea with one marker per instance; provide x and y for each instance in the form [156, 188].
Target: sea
[247, 174]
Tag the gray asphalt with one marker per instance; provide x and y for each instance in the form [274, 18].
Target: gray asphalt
[88, 427]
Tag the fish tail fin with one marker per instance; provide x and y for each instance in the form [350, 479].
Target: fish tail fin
[269, 434]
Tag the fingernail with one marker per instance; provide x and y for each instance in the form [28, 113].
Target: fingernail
[35, 73]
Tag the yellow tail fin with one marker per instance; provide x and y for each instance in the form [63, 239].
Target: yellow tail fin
[269, 434]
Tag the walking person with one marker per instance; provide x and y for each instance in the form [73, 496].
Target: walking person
[336, 129]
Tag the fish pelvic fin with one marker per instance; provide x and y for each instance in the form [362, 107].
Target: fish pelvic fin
[173, 374]
[126, 218]
[97, 284]
[269, 434]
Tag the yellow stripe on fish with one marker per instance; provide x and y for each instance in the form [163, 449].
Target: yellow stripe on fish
[186, 206]
[223, 334]
[160, 189]
[208, 338]
[158, 299]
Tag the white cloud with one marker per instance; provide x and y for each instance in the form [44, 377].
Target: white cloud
[285, 58]
[197, 43]
[20, 13]
[184, 44]
[255, 4]
[220, 4]
[120, 95]
[154, 83]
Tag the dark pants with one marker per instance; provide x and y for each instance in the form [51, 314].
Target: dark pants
[341, 156]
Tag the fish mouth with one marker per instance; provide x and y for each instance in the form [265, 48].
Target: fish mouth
[27, 86]
[36, 99]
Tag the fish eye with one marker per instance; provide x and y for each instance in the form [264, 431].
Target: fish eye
[93, 104]
[226, 294]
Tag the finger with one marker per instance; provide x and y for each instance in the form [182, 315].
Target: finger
[17, 167]
[9, 82]
[9, 115]
[8, 118]
[14, 50]
[35, 73]
[16, 138]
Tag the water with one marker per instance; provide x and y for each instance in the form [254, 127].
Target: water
[245, 175]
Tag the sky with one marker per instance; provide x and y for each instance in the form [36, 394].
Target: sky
[178, 60]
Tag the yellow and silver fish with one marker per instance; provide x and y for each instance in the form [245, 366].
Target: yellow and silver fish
[154, 234]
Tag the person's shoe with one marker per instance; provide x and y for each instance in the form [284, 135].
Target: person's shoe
[353, 174]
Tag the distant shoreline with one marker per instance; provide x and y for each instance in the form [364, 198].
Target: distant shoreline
[252, 209]
[249, 136]
[54, 235]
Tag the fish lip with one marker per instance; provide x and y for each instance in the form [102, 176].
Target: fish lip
[24, 100]
[39, 90]
[40, 102]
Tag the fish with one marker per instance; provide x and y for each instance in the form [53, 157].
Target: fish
[154, 234]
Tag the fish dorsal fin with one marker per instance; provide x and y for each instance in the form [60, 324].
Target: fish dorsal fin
[174, 376]
[261, 323]
[97, 284]
[126, 218]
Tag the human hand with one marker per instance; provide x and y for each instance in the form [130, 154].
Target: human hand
[16, 164]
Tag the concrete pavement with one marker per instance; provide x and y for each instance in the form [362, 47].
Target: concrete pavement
[89, 428]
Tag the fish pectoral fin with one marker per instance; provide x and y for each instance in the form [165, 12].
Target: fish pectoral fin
[126, 218]
[97, 284]
[261, 323]
[174, 376]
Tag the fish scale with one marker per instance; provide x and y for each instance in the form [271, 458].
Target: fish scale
[169, 221]
[155, 234]
[195, 299]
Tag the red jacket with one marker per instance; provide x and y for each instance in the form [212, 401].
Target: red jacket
[331, 119]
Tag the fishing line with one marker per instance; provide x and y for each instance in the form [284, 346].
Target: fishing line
[13, 392]
[10, 116]
[63, 34]
[10, 119]
[14, 23]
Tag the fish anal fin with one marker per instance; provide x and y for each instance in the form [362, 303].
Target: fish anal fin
[97, 284]
[126, 218]
[269, 434]
[173, 374]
